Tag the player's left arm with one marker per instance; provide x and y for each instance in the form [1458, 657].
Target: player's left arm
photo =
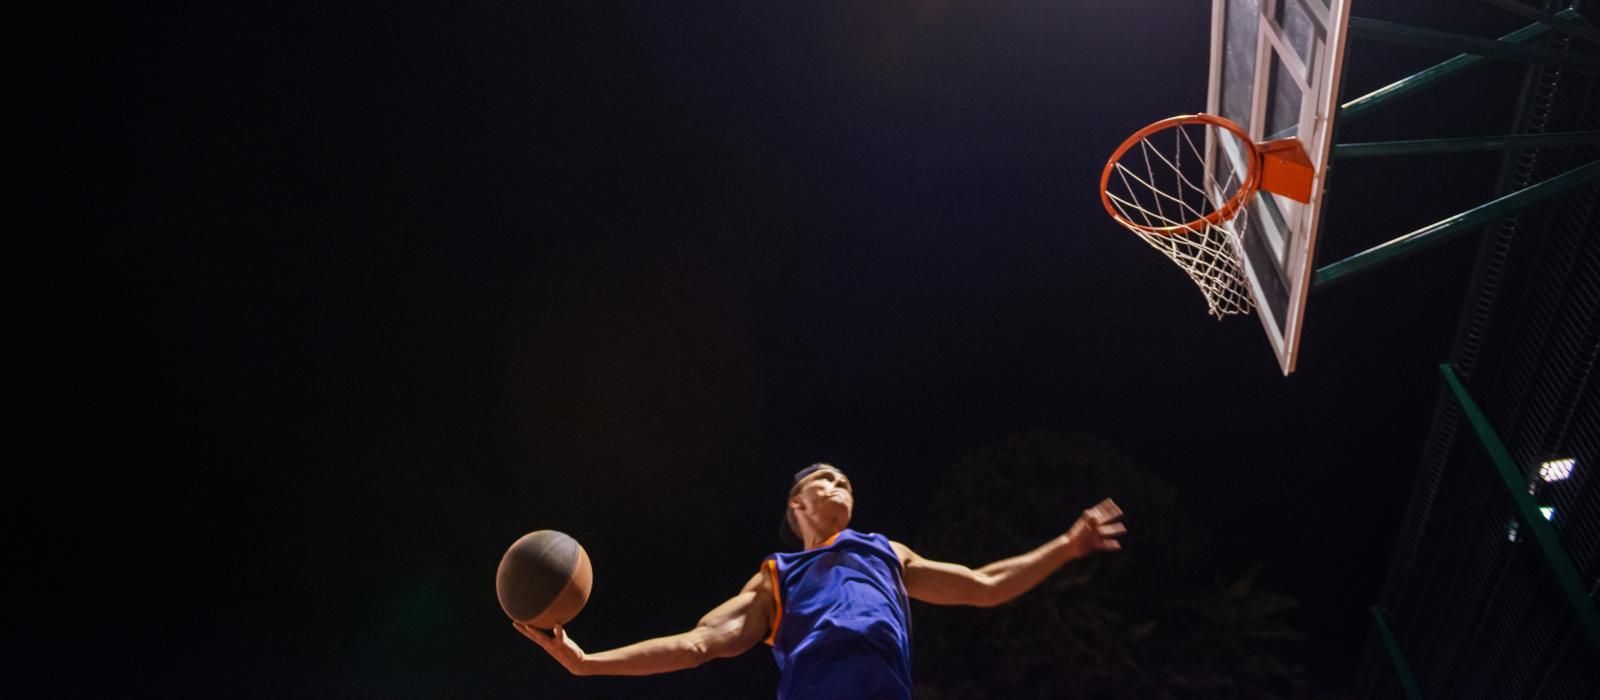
[943, 583]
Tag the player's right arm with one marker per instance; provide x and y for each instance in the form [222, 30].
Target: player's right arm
[730, 629]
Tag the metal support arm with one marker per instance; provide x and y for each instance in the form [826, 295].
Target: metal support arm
[1559, 23]
[1464, 144]
[1393, 32]
[1441, 231]
[1470, 143]
[1426, 77]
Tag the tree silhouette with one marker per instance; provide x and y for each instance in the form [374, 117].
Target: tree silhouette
[1149, 622]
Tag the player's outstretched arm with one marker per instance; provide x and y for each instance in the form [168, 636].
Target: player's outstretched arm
[728, 630]
[943, 583]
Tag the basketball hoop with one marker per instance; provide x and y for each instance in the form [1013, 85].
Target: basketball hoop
[1183, 184]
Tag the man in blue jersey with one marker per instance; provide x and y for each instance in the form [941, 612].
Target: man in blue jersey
[837, 613]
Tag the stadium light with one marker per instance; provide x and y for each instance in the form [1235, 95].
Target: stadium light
[1557, 469]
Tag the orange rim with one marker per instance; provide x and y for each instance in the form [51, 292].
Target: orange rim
[1252, 178]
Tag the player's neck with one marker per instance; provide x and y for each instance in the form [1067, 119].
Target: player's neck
[822, 540]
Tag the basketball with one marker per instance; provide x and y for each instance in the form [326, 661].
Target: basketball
[544, 579]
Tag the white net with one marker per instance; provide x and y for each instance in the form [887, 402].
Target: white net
[1167, 190]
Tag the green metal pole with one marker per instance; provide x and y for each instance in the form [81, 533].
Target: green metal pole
[1549, 544]
[1441, 231]
[1557, 22]
[1472, 143]
[1368, 28]
[1401, 668]
[1426, 77]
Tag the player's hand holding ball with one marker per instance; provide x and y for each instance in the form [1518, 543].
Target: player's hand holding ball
[543, 582]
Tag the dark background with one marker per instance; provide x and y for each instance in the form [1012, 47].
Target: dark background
[340, 300]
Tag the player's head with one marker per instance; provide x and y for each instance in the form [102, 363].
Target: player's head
[821, 501]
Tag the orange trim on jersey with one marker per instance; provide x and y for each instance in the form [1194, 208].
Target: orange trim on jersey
[829, 541]
[771, 567]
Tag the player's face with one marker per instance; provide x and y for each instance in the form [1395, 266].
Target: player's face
[827, 491]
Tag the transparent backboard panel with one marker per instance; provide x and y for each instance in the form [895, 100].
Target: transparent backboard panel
[1275, 68]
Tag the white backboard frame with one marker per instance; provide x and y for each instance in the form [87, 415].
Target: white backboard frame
[1257, 46]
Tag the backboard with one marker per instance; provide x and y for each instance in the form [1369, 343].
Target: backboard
[1275, 70]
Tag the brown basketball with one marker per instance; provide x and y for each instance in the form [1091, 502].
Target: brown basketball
[544, 579]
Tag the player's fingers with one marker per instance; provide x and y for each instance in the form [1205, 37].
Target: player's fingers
[1098, 518]
[1110, 545]
[1112, 530]
[544, 638]
[1109, 510]
[531, 633]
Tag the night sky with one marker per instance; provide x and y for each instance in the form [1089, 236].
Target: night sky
[338, 301]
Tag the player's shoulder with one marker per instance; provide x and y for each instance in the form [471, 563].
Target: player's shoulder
[761, 581]
[902, 552]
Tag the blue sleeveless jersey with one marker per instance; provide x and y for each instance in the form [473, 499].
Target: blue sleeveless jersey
[843, 622]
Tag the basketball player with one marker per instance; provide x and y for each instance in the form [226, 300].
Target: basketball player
[836, 613]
